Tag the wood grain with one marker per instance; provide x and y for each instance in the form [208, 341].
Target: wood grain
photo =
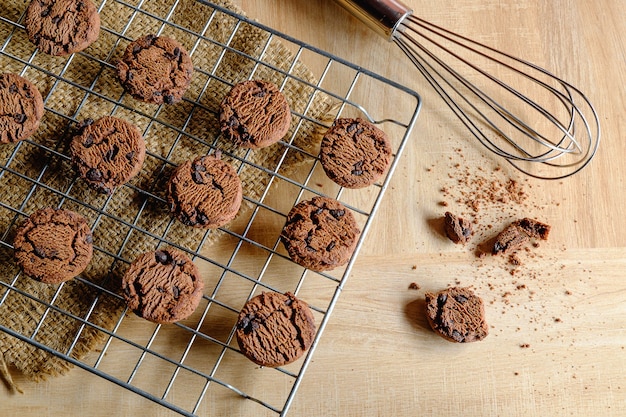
[558, 321]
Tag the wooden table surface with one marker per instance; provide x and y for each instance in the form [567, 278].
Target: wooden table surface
[557, 343]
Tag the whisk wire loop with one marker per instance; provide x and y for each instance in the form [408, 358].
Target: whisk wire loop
[535, 122]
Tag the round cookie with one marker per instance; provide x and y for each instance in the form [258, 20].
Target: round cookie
[21, 108]
[457, 314]
[155, 70]
[275, 329]
[254, 114]
[163, 286]
[53, 245]
[320, 234]
[107, 153]
[204, 193]
[354, 153]
[62, 27]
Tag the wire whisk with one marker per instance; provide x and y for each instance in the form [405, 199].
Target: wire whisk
[541, 124]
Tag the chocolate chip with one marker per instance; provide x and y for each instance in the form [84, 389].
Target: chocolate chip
[56, 19]
[130, 155]
[330, 246]
[129, 76]
[88, 141]
[168, 99]
[136, 49]
[288, 302]
[176, 291]
[233, 121]
[94, 174]
[13, 88]
[457, 336]
[498, 247]
[248, 324]
[351, 128]
[337, 214]
[196, 176]
[151, 39]
[176, 52]
[460, 299]
[162, 257]
[202, 218]
[89, 238]
[111, 153]
[260, 94]
[45, 12]
[19, 118]
[358, 168]
[441, 300]
[39, 252]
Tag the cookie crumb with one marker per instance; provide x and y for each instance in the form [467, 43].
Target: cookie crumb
[524, 345]
[414, 286]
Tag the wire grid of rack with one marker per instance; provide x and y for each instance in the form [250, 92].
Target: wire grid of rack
[238, 261]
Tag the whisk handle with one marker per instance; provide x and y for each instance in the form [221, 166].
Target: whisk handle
[382, 16]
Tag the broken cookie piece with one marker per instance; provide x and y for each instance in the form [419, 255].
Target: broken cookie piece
[518, 233]
[457, 315]
[457, 229]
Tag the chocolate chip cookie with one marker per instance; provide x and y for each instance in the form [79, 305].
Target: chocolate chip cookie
[62, 27]
[457, 315]
[254, 114]
[205, 192]
[355, 153]
[21, 108]
[320, 234]
[163, 286]
[275, 329]
[107, 152]
[155, 69]
[53, 245]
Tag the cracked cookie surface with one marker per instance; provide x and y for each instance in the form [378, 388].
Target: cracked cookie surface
[21, 108]
[53, 245]
[254, 114]
[163, 286]
[354, 153]
[275, 329]
[62, 27]
[457, 315]
[155, 69]
[204, 193]
[107, 153]
[320, 234]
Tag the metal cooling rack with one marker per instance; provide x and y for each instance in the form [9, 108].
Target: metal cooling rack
[246, 259]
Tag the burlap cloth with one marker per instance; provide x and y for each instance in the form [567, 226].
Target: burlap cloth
[119, 234]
